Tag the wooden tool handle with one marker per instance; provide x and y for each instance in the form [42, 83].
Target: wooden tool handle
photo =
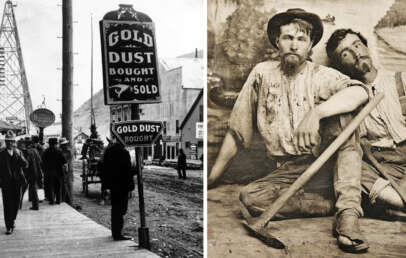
[268, 214]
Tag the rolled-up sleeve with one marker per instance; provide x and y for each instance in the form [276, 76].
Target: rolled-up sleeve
[332, 81]
[242, 121]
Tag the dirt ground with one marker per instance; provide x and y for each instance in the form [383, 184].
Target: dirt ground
[174, 210]
[305, 237]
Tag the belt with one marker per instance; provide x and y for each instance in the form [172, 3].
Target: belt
[400, 144]
[375, 148]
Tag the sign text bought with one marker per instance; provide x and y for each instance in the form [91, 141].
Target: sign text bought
[137, 133]
[130, 66]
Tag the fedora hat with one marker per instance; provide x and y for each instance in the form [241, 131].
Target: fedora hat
[63, 140]
[53, 141]
[10, 136]
[286, 17]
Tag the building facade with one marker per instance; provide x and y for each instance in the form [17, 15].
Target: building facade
[192, 132]
[181, 81]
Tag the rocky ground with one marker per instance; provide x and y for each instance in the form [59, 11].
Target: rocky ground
[174, 210]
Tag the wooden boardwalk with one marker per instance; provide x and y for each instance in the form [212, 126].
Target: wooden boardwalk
[61, 231]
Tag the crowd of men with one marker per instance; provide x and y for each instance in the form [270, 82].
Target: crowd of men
[25, 164]
[298, 107]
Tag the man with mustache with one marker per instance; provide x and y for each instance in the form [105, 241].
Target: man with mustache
[384, 130]
[287, 102]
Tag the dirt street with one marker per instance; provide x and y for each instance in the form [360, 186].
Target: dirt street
[174, 210]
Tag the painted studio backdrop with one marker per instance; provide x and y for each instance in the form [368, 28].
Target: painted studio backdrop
[237, 40]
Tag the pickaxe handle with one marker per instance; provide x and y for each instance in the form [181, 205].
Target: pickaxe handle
[381, 169]
[269, 213]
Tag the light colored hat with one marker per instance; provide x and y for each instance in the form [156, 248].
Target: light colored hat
[63, 140]
[10, 136]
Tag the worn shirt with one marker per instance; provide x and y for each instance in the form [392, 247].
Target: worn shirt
[385, 126]
[274, 104]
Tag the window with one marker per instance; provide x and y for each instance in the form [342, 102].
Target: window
[172, 152]
[187, 144]
[201, 113]
[164, 127]
[171, 109]
[177, 126]
[125, 111]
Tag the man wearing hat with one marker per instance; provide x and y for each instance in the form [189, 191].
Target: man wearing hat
[33, 172]
[53, 162]
[287, 102]
[12, 178]
[68, 173]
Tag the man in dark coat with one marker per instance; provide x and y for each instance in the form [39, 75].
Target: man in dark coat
[53, 162]
[68, 171]
[117, 176]
[12, 177]
[33, 173]
[182, 164]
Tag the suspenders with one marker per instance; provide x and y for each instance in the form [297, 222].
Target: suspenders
[401, 91]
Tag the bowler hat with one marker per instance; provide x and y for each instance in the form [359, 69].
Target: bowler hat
[53, 141]
[10, 136]
[63, 140]
[27, 140]
[284, 18]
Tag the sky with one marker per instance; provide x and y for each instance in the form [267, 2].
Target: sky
[180, 27]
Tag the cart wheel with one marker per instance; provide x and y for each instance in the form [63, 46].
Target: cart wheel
[86, 185]
[84, 176]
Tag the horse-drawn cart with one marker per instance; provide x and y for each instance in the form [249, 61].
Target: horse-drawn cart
[90, 174]
[91, 165]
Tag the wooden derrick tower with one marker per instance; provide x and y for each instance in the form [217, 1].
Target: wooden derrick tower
[15, 99]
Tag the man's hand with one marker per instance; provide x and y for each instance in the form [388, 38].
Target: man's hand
[306, 134]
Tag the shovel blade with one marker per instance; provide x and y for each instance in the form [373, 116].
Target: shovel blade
[263, 235]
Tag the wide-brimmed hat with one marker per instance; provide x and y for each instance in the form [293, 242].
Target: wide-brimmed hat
[10, 136]
[63, 140]
[286, 17]
[53, 141]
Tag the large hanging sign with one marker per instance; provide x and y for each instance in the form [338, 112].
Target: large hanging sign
[42, 117]
[130, 66]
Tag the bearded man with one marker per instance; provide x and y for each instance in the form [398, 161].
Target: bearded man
[287, 102]
[384, 130]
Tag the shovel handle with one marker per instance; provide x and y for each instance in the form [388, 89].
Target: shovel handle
[269, 213]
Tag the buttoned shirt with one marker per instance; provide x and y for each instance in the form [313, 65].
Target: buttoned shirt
[385, 126]
[274, 104]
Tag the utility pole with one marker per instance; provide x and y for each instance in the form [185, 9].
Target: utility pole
[67, 75]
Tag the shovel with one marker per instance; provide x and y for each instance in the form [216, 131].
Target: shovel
[257, 226]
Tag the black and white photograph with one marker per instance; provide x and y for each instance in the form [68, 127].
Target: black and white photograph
[306, 131]
[102, 128]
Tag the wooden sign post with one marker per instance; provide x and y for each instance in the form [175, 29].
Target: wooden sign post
[130, 76]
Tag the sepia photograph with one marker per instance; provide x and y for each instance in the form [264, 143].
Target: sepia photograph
[306, 129]
[102, 128]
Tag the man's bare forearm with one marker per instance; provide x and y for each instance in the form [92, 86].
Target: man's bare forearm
[344, 101]
[227, 152]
